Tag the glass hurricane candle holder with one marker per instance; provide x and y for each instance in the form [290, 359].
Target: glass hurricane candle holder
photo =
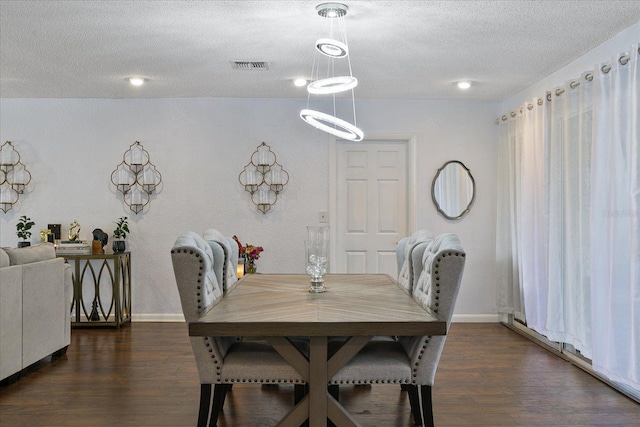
[317, 256]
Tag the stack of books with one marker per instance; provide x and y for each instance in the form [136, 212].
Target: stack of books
[70, 247]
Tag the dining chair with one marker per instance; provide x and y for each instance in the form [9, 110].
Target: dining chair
[413, 361]
[226, 250]
[408, 270]
[221, 361]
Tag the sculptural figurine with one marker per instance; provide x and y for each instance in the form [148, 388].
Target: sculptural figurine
[100, 235]
[44, 235]
[74, 231]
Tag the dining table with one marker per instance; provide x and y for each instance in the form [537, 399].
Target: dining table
[355, 307]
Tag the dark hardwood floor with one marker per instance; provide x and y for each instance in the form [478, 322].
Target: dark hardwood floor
[144, 375]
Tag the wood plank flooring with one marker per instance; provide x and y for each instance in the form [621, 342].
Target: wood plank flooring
[144, 375]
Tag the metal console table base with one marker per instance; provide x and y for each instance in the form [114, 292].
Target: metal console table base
[108, 275]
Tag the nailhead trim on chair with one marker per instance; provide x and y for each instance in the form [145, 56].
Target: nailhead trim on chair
[437, 304]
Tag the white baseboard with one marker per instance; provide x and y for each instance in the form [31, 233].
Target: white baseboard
[475, 318]
[178, 317]
[159, 317]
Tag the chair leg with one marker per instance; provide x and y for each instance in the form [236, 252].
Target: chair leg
[414, 401]
[219, 394]
[334, 391]
[427, 405]
[205, 404]
[299, 392]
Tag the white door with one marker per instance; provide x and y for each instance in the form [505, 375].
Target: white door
[371, 205]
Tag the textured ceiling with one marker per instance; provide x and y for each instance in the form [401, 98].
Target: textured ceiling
[399, 49]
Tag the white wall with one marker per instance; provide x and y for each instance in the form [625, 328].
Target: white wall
[71, 146]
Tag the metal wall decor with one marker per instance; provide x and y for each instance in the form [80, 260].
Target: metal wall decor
[14, 176]
[136, 178]
[264, 178]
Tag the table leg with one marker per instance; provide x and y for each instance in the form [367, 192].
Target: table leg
[318, 382]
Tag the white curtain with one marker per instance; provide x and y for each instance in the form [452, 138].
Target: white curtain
[568, 317]
[615, 221]
[568, 231]
[509, 286]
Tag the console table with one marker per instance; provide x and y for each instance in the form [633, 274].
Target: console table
[101, 289]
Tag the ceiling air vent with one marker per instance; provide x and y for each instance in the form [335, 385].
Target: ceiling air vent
[250, 65]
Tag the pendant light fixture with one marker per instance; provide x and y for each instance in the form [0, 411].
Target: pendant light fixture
[323, 89]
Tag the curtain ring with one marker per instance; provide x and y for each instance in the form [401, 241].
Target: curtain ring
[521, 110]
[504, 118]
[497, 121]
[606, 68]
[540, 101]
[559, 92]
[624, 59]
[513, 114]
[549, 96]
[529, 107]
[574, 84]
[588, 77]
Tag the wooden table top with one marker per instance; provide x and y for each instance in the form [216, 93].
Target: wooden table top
[353, 305]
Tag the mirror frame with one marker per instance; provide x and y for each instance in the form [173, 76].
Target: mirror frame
[433, 192]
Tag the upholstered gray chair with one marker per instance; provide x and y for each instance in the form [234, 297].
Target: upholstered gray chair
[220, 360]
[410, 264]
[412, 361]
[225, 254]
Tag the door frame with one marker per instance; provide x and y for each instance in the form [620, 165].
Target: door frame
[412, 184]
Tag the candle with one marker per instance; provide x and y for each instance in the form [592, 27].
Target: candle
[240, 270]
[6, 157]
[4, 196]
[136, 156]
[275, 176]
[263, 157]
[136, 197]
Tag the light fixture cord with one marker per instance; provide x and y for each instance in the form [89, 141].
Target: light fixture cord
[343, 30]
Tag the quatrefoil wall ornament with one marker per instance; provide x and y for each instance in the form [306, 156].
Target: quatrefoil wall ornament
[14, 177]
[264, 178]
[136, 178]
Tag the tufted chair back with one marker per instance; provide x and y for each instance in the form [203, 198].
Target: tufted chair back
[199, 288]
[408, 269]
[436, 289]
[225, 251]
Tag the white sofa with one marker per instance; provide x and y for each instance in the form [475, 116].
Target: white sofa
[35, 293]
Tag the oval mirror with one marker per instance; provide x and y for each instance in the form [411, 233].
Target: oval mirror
[453, 190]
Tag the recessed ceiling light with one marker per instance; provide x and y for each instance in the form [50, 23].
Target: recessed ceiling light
[300, 82]
[136, 81]
[464, 84]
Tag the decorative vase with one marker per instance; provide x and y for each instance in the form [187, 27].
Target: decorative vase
[24, 244]
[250, 267]
[119, 245]
[317, 256]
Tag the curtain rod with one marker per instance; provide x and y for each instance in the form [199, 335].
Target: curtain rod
[623, 60]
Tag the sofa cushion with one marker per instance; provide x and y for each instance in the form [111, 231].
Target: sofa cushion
[4, 259]
[30, 254]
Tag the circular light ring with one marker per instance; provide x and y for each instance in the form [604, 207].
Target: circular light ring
[342, 129]
[332, 85]
[332, 48]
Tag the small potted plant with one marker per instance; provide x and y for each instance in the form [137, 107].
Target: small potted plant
[120, 234]
[23, 227]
